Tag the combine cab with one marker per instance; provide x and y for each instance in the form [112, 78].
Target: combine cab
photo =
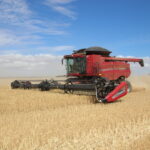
[93, 71]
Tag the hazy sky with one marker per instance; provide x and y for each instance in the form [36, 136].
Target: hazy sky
[35, 34]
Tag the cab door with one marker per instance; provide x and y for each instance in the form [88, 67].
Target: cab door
[96, 68]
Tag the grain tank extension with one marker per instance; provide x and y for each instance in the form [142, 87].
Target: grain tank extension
[90, 71]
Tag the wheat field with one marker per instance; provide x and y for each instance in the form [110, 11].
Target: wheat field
[34, 120]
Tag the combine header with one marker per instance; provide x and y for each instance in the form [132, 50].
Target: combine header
[90, 70]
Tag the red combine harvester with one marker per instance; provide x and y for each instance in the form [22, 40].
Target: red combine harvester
[93, 71]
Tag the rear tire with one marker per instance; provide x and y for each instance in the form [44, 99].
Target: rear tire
[129, 86]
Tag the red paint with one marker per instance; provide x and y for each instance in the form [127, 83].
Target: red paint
[108, 67]
[118, 92]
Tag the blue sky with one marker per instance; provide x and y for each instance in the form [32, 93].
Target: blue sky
[58, 26]
[33, 30]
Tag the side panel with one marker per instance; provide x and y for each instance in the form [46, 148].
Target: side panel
[121, 69]
[112, 70]
[107, 70]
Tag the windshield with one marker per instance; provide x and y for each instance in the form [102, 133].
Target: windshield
[76, 65]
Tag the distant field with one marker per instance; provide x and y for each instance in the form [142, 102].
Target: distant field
[34, 120]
